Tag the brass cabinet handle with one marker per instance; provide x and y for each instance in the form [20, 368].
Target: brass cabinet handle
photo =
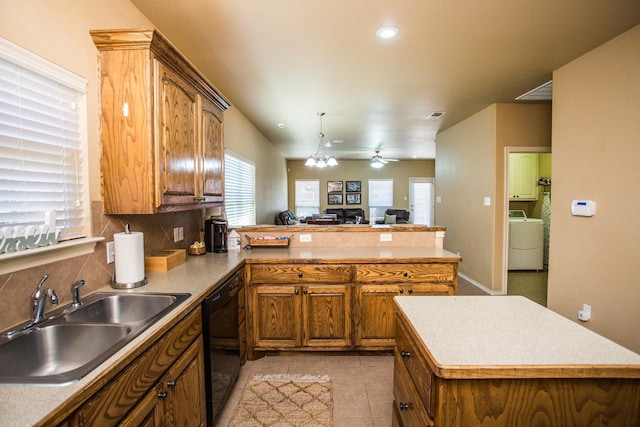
[402, 290]
[305, 291]
[405, 274]
[242, 307]
[404, 406]
[405, 354]
[300, 274]
[297, 291]
[200, 199]
[162, 394]
[410, 290]
[171, 383]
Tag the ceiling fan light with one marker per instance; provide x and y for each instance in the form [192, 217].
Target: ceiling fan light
[377, 164]
[310, 161]
[332, 161]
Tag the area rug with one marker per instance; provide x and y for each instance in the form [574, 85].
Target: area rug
[285, 401]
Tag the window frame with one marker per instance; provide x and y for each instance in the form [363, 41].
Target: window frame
[229, 159]
[28, 258]
[303, 209]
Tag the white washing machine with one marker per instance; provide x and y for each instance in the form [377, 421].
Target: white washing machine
[526, 242]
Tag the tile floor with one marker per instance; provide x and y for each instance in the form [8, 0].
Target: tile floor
[362, 383]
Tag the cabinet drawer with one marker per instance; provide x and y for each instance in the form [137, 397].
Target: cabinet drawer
[300, 273]
[421, 375]
[406, 400]
[416, 273]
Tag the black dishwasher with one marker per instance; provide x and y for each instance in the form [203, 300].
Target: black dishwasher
[221, 344]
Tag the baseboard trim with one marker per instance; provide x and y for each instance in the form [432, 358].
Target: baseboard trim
[476, 284]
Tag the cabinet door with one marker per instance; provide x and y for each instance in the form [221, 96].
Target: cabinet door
[182, 389]
[147, 413]
[177, 139]
[276, 312]
[326, 313]
[375, 315]
[211, 174]
[523, 176]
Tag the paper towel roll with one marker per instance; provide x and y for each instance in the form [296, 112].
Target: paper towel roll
[129, 257]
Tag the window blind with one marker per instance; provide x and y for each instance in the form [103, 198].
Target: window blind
[239, 190]
[307, 197]
[380, 197]
[42, 143]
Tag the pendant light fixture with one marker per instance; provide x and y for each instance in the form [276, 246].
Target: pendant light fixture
[321, 159]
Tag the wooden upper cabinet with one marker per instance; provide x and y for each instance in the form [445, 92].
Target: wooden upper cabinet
[161, 127]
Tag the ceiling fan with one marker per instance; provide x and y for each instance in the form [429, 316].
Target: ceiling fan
[377, 161]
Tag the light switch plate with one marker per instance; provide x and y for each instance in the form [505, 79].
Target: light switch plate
[386, 237]
[305, 238]
[111, 254]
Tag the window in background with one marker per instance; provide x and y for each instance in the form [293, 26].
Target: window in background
[43, 144]
[239, 190]
[380, 198]
[307, 197]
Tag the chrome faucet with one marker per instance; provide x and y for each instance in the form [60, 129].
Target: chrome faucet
[75, 293]
[39, 301]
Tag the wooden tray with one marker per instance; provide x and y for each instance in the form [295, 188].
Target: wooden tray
[165, 259]
[256, 243]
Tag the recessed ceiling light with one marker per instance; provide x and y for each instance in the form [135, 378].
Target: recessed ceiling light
[386, 33]
[281, 125]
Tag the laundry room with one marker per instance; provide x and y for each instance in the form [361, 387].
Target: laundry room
[529, 220]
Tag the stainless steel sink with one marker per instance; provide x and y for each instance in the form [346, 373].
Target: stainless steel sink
[75, 340]
[121, 308]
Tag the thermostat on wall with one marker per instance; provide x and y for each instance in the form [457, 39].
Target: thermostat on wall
[583, 207]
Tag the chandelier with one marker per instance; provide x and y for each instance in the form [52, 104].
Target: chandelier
[321, 159]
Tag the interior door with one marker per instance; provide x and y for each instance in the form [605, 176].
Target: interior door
[421, 200]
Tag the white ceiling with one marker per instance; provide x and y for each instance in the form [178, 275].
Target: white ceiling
[283, 61]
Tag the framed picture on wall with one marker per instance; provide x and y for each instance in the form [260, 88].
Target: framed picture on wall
[334, 186]
[353, 187]
[335, 199]
[353, 199]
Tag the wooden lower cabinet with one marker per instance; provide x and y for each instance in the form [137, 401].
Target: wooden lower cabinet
[422, 398]
[163, 386]
[375, 313]
[298, 317]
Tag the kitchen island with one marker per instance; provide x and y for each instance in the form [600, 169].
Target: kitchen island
[507, 361]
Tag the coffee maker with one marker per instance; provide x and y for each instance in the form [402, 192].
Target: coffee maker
[215, 235]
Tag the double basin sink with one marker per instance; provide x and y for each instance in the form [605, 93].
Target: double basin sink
[75, 340]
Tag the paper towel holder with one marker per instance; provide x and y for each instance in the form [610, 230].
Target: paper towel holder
[116, 285]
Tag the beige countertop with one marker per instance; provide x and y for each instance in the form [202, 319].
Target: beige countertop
[510, 336]
[22, 405]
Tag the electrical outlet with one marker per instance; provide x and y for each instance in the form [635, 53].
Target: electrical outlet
[386, 237]
[305, 238]
[111, 254]
[176, 234]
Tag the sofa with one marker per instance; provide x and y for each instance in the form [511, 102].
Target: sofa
[401, 216]
[348, 215]
[285, 218]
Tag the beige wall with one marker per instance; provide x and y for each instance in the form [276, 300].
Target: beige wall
[471, 166]
[465, 174]
[596, 146]
[361, 170]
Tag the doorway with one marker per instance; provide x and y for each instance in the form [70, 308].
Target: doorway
[421, 200]
[529, 281]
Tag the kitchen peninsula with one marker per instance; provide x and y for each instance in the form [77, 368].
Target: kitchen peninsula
[356, 285]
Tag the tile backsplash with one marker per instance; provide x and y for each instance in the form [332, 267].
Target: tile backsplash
[16, 288]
